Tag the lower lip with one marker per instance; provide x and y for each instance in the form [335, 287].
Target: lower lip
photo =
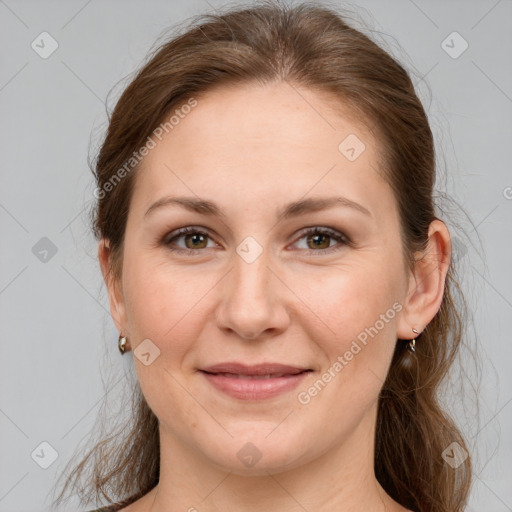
[256, 388]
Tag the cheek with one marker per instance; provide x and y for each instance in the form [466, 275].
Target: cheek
[358, 309]
[163, 304]
[165, 307]
[357, 349]
[347, 299]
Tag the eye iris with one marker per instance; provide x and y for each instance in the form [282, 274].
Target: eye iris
[316, 243]
[198, 240]
[195, 237]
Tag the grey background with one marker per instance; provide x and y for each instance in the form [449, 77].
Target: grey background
[58, 344]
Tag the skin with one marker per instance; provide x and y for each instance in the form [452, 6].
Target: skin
[251, 149]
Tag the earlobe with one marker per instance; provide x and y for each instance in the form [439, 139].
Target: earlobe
[116, 300]
[427, 282]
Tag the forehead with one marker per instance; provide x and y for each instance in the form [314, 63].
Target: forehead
[253, 139]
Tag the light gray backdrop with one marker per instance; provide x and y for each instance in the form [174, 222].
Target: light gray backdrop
[56, 331]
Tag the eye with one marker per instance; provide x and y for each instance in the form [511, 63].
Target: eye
[319, 240]
[193, 238]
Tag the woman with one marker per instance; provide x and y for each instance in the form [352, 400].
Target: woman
[274, 265]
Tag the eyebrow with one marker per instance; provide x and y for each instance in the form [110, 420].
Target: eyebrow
[290, 210]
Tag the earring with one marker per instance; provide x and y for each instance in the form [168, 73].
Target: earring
[412, 344]
[122, 343]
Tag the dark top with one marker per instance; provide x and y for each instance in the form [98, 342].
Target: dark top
[110, 508]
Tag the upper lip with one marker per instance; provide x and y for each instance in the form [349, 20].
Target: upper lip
[256, 369]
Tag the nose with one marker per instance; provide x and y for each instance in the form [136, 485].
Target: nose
[252, 302]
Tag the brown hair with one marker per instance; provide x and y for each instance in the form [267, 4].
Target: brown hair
[311, 46]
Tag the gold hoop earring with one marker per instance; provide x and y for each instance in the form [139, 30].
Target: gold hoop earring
[122, 343]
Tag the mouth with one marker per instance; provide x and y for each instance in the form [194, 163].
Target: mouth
[254, 382]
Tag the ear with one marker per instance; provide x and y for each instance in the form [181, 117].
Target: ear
[114, 288]
[426, 283]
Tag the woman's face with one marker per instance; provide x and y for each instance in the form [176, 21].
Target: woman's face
[249, 292]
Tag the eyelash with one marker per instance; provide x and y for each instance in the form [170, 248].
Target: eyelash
[336, 235]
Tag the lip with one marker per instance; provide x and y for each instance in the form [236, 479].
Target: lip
[254, 382]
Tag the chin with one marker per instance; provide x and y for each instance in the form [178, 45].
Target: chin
[258, 453]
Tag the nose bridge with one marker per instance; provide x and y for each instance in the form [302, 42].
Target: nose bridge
[251, 269]
[250, 304]
[251, 278]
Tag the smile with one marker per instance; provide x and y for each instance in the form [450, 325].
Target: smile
[256, 382]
